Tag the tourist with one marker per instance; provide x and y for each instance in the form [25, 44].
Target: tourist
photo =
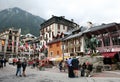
[70, 68]
[24, 64]
[19, 65]
[75, 65]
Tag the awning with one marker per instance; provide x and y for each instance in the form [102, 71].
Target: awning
[59, 58]
[109, 54]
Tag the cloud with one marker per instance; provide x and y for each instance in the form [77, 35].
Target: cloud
[81, 11]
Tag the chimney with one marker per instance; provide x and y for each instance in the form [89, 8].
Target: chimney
[63, 16]
[89, 24]
[72, 20]
[52, 15]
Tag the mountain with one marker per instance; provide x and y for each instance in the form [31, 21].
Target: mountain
[18, 18]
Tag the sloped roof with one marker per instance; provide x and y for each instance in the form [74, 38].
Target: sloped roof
[73, 36]
[56, 40]
[95, 28]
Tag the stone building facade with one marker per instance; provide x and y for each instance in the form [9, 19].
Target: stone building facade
[9, 41]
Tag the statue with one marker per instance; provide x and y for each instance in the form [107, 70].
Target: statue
[91, 44]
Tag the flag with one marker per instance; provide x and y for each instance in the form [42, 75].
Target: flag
[12, 43]
[8, 45]
[45, 46]
[26, 45]
[34, 46]
[3, 42]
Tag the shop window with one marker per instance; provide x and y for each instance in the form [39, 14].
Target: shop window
[106, 41]
[116, 40]
[99, 43]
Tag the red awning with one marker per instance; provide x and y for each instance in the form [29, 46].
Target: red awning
[109, 54]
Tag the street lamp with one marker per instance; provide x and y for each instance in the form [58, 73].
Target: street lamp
[63, 49]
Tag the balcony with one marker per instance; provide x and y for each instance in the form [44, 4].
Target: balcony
[77, 45]
[45, 38]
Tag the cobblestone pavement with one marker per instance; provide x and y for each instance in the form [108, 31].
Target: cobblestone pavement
[115, 73]
[7, 74]
[108, 74]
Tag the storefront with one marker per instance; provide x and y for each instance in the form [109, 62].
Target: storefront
[111, 57]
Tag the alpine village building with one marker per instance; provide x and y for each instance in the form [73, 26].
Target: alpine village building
[9, 40]
[52, 33]
[108, 36]
[53, 36]
[60, 38]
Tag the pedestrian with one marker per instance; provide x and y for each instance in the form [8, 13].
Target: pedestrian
[5, 60]
[1, 61]
[19, 65]
[24, 65]
[34, 62]
[70, 69]
[60, 65]
[83, 68]
[63, 66]
[89, 69]
[75, 65]
[14, 61]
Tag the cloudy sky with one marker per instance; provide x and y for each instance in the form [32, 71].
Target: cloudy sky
[82, 11]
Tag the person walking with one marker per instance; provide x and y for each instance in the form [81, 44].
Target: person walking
[60, 65]
[83, 68]
[1, 61]
[70, 68]
[75, 65]
[89, 69]
[24, 65]
[5, 60]
[19, 65]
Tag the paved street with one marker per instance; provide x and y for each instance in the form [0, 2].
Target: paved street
[7, 74]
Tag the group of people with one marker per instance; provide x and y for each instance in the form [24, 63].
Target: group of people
[75, 69]
[21, 65]
[86, 69]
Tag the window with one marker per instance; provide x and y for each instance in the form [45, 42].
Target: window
[78, 49]
[72, 49]
[52, 33]
[3, 48]
[99, 43]
[49, 34]
[57, 52]
[63, 27]
[10, 37]
[106, 41]
[14, 49]
[46, 29]
[116, 40]
[57, 44]
[50, 46]
[58, 26]
[51, 53]
[15, 38]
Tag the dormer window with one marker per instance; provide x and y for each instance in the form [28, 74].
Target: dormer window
[58, 26]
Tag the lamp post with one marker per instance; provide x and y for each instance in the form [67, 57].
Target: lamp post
[63, 49]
